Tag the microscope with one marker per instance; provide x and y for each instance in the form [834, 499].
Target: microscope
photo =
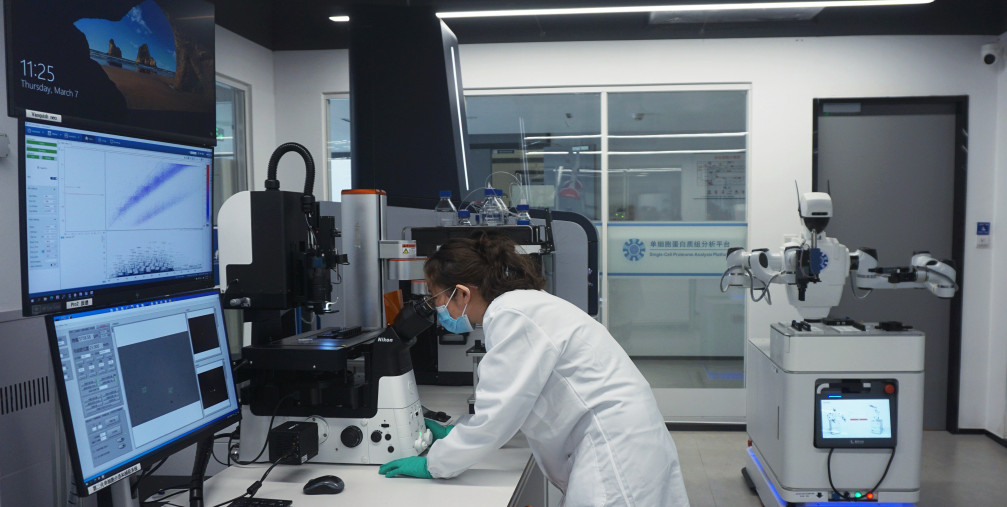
[355, 385]
[834, 407]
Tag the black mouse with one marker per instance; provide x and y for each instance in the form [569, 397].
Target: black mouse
[324, 485]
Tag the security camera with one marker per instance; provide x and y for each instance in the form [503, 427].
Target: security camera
[991, 53]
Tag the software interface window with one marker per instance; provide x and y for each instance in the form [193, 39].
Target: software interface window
[139, 376]
[104, 210]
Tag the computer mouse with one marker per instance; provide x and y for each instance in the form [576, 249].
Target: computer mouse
[324, 485]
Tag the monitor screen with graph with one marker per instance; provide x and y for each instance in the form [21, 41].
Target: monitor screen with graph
[108, 219]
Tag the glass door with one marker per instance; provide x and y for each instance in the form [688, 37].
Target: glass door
[662, 172]
[676, 201]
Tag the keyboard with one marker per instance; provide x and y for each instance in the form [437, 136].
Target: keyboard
[260, 502]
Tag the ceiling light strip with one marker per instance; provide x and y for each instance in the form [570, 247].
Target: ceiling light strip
[677, 8]
[666, 8]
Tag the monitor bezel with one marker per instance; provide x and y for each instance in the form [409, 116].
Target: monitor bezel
[108, 296]
[856, 443]
[166, 450]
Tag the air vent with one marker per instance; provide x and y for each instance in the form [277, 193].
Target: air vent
[27, 394]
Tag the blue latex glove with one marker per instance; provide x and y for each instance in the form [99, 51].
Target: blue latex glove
[437, 430]
[413, 466]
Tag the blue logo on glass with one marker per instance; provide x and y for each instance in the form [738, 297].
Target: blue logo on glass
[633, 249]
[824, 263]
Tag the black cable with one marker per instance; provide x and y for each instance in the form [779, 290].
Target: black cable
[254, 488]
[265, 441]
[890, 458]
[133, 488]
[828, 467]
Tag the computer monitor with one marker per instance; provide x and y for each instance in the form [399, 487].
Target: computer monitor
[139, 382]
[109, 219]
[146, 65]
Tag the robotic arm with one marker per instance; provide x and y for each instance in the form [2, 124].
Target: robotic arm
[815, 267]
[924, 272]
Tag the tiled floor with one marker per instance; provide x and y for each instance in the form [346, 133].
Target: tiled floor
[957, 470]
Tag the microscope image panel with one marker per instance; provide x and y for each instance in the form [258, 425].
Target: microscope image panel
[203, 330]
[213, 387]
[159, 377]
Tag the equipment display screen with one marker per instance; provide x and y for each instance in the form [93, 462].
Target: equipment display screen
[854, 421]
[138, 378]
[103, 211]
[141, 65]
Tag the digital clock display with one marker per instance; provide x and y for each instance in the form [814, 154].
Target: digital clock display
[37, 70]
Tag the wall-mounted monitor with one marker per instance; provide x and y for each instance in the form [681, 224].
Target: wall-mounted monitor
[109, 219]
[141, 381]
[144, 66]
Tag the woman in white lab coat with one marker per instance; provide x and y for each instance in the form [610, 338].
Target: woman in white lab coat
[554, 373]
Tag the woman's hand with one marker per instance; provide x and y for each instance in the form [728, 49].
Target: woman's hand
[413, 466]
[437, 430]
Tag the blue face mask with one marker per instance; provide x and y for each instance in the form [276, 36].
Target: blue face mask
[451, 324]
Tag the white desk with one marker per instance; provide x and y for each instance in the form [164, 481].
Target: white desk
[498, 481]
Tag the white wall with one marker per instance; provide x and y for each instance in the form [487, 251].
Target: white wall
[995, 365]
[302, 79]
[785, 76]
[10, 253]
[252, 65]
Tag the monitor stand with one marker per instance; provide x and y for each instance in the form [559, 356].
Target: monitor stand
[119, 494]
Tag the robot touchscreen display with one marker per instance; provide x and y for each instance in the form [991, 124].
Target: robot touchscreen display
[844, 420]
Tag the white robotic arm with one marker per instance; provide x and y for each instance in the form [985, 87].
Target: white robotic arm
[815, 267]
[923, 272]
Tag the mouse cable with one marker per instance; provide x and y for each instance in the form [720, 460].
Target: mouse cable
[254, 488]
[828, 467]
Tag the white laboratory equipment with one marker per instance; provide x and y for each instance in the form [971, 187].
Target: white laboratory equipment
[834, 407]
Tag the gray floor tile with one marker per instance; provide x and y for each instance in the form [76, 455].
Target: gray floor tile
[957, 470]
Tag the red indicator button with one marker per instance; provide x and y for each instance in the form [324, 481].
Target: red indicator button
[889, 388]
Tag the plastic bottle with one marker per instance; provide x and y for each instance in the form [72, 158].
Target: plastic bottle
[492, 213]
[523, 218]
[504, 212]
[464, 217]
[445, 210]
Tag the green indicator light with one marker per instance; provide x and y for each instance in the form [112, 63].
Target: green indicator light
[857, 495]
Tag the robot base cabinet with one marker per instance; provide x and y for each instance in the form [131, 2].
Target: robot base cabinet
[874, 377]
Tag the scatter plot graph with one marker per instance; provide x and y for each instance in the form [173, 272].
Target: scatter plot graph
[150, 194]
[143, 260]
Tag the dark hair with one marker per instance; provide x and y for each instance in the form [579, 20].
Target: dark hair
[488, 261]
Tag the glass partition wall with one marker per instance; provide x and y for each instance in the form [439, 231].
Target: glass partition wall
[662, 173]
[230, 171]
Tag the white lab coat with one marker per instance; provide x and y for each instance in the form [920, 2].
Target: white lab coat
[590, 417]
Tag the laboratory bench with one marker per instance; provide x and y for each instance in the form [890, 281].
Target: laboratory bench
[507, 477]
